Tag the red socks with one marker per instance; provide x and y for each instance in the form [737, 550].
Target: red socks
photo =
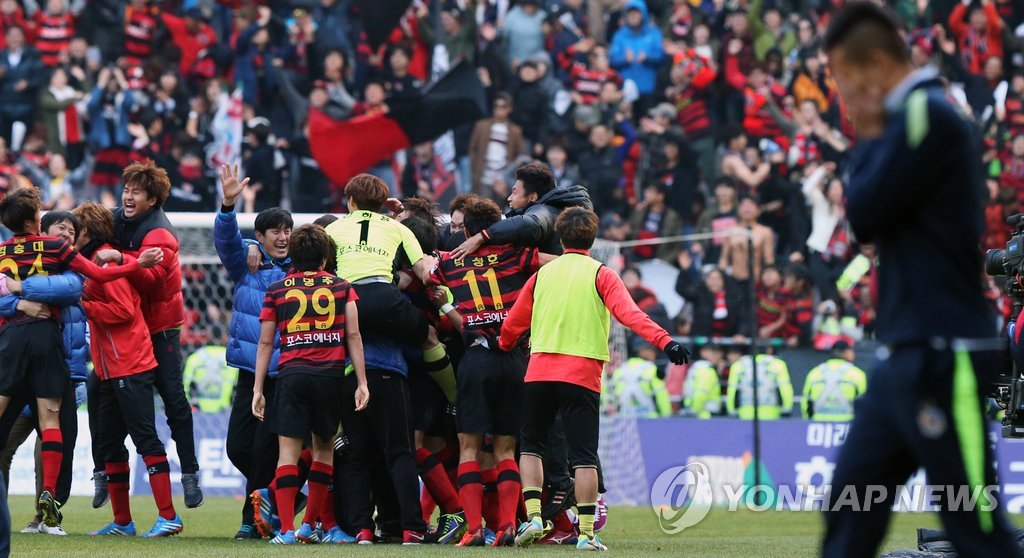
[436, 480]
[160, 481]
[52, 455]
[320, 477]
[287, 482]
[427, 505]
[490, 505]
[471, 491]
[510, 487]
[117, 484]
[327, 519]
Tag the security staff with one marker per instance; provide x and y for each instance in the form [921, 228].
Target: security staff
[774, 389]
[702, 389]
[915, 191]
[636, 388]
[832, 386]
[209, 381]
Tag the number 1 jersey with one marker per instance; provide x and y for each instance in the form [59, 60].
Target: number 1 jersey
[309, 308]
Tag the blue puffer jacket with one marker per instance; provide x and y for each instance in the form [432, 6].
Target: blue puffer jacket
[250, 288]
[65, 291]
[645, 39]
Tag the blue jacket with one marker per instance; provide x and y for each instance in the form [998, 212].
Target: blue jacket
[647, 40]
[99, 133]
[384, 354]
[916, 193]
[65, 291]
[250, 288]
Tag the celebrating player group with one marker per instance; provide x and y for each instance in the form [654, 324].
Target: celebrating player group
[377, 350]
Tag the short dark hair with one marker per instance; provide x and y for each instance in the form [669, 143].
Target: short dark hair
[503, 96]
[367, 191]
[862, 26]
[309, 248]
[536, 178]
[149, 177]
[53, 217]
[460, 201]
[426, 233]
[480, 214]
[273, 218]
[18, 207]
[96, 219]
[325, 219]
[577, 227]
[421, 208]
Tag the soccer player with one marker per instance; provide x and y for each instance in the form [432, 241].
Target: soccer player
[123, 360]
[27, 343]
[565, 306]
[315, 314]
[491, 388]
[251, 446]
[915, 191]
[141, 224]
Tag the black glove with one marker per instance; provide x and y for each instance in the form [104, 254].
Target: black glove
[677, 353]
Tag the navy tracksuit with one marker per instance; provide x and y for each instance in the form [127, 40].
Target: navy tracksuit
[916, 192]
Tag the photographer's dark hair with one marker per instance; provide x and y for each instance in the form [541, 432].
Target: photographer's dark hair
[577, 227]
[863, 26]
[479, 214]
[53, 217]
[18, 207]
[309, 248]
[273, 218]
[536, 178]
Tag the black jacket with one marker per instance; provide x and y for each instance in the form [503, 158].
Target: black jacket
[530, 109]
[690, 285]
[916, 192]
[535, 225]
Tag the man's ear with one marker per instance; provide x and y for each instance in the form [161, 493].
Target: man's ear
[260, 237]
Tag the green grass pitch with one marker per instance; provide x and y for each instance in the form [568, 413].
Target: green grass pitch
[631, 532]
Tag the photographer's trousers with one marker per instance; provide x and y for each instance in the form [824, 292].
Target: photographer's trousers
[923, 408]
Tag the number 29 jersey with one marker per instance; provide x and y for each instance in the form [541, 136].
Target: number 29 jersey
[309, 309]
[485, 285]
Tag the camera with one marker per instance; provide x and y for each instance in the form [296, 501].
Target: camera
[1009, 386]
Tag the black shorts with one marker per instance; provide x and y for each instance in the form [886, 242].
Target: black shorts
[305, 403]
[32, 354]
[385, 312]
[429, 411]
[580, 410]
[490, 394]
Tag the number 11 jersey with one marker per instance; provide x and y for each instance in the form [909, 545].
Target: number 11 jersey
[309, 309]
[485, 285]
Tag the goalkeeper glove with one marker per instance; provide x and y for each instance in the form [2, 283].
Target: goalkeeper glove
[677, 353]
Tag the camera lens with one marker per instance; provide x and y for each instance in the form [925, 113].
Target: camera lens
[994, 262]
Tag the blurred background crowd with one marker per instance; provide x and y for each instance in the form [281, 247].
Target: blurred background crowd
[715, 118]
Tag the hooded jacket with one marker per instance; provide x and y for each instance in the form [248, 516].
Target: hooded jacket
[535, 224]
[647, 40]
[121, 345]
[250, 289]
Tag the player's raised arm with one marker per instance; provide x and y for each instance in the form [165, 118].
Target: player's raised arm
[147, 259]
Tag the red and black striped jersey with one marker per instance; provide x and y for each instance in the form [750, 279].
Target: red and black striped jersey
[29, 255]
[309, 309]
[54, 35]
[140, 28]
[485, 285]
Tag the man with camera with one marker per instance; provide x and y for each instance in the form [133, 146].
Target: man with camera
[914, 191]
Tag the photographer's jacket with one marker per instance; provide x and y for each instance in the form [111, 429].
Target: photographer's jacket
[916, 192]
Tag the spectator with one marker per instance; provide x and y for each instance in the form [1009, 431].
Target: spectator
[736, 256]
[141, 20]
[264, 189]
[55, 26]
[601, 170]
[191, 34]
[736, 168]
[829, 242]
[690, 93]
[495, 143]
[60, 108]
[680, 175]
[523, 31]
[799, 306]
[717, 311]
[771, 304]
[566, 175]
[815, 141]
[426, 177]
[587, 78]
[978, 38]
[531, 102]
[21, 75]
[458, 32]
[59, 186]
[399, 82]
[110, 105]
[719, 218]
[653, 218]
[770, 31]
[637, 51]
[812, 83]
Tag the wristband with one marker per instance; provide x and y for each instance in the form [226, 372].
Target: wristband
[447, 307]
[227, 208]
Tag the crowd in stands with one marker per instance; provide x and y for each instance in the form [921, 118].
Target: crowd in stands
[679, 117]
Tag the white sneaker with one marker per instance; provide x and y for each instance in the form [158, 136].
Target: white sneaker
[33, 527]
[58, 530]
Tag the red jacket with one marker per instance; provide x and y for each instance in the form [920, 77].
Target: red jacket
[190, 45]
[120, 343]
[160, 287]
[975, 48]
